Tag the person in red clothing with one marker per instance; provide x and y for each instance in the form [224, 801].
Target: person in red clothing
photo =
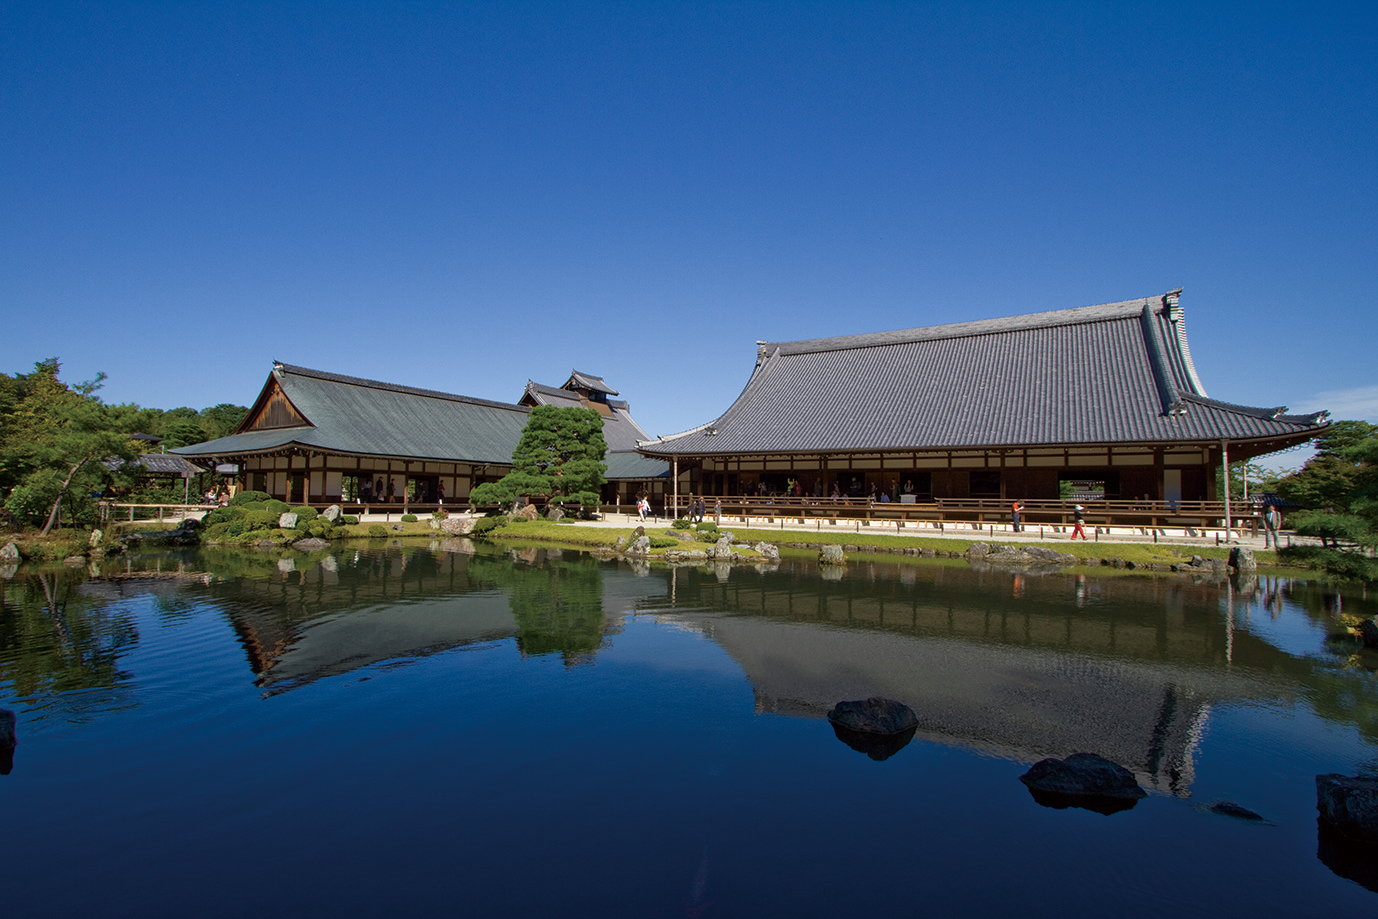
[1078, 518]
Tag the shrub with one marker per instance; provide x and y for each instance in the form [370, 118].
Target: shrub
[706, 527]
[259, 520]
[305, 513]
[348, 520]
[377, 530]
[681, 523]
[221, 515]
[248, 497]
[663, 542]
[276, 506]
[409, 518]
[488, 523]
[216, 532]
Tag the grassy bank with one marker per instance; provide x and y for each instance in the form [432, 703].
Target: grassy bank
[803, 541]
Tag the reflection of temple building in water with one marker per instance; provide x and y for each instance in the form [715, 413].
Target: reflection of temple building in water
[1133, 680]
[338, 614]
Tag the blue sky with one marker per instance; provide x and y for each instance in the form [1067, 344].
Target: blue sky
[466, 196]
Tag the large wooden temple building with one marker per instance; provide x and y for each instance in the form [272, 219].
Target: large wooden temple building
[1101, 400]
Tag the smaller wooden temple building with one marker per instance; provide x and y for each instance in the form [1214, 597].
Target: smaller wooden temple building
[313, 437]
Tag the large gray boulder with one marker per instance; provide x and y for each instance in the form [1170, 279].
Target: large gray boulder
[1349, 804]
[1083, 780]
[640, 546]
[722, 548]
[832, 555]
[457, 526]
[1242, 560]
[555, 513]
[9, 552]
[978, 550]
[332, 513]
[767, 550]
[287, 520]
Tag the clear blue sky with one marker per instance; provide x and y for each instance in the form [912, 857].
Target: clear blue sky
[464, 196]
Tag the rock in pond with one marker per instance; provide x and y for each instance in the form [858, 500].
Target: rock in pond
[1083, 780]
[832, 555]
[874, 716]
[878, 727]
[1350, 805]
[8, 740]
[1232, 809]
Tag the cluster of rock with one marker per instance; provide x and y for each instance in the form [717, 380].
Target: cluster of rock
[188, 533]
[726, 549]
[1018, 556]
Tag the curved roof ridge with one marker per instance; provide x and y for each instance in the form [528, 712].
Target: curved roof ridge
[1074, 316]
[294, 370]
[1270, 414]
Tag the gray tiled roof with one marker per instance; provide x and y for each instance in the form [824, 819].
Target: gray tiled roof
[358, 416]
[1115, 373]
[590, 382]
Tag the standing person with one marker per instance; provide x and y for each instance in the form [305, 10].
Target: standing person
[1272, 520]
[439, 491]
[366, 490]
[1015, 510]
[392, 489]
[642, 506]
[1078, 518]
[699, 509]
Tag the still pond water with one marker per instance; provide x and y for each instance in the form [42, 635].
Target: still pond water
[465, 730]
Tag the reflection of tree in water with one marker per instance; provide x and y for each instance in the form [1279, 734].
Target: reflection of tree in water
[556, 600]
[60, 648]
[1343, 683]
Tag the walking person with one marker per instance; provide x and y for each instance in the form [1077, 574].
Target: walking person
[1272, 522]
[1078, 518]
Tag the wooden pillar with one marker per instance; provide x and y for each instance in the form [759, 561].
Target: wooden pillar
[1225, 465]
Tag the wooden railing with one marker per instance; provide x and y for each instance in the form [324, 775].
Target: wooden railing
[1139, 514]
[983, 513]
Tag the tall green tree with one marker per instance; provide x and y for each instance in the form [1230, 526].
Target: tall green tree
[1338, 488]
[559, 457]
[220, 420]
[56, 441]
